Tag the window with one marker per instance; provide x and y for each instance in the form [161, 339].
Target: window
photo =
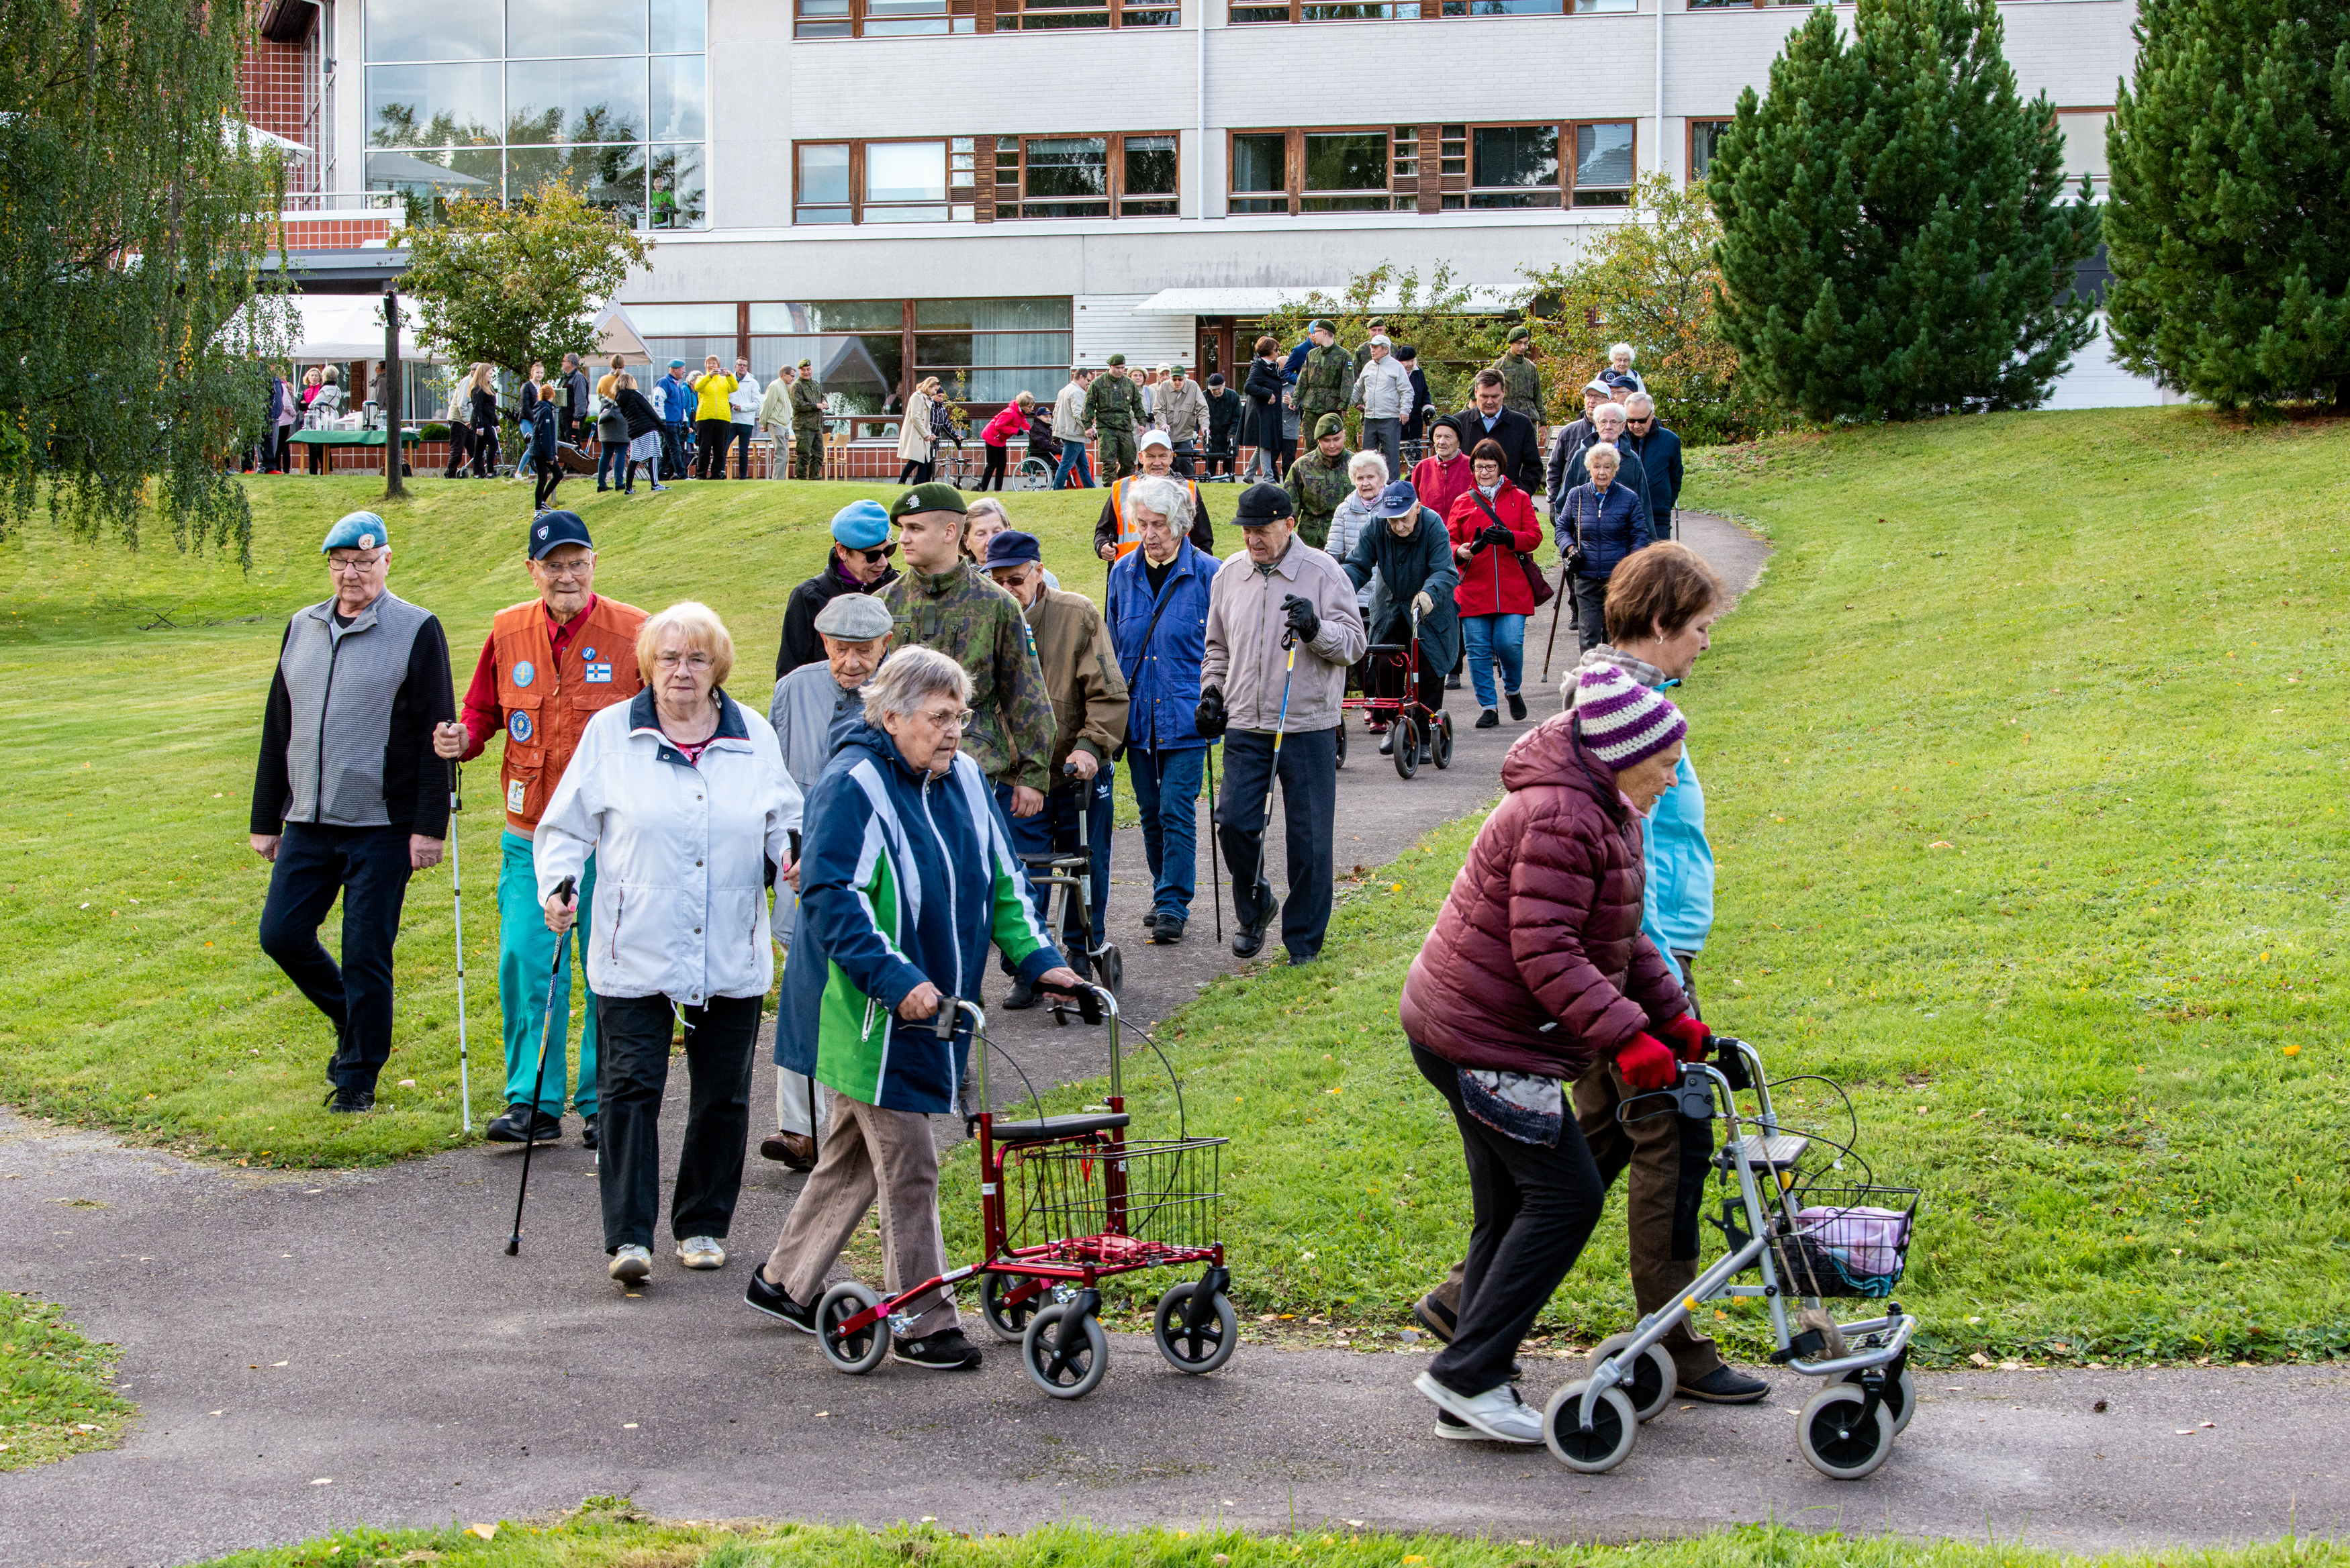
[1539, 7]
[1514, 166]
[868, 352]
[903, 18]
[498, 99]
[1030, 15]
[1704, 135]
[1604, 165]
[1326, 11]
[1323, 170]
[1132, 176]
[924, 181]
[2084, 130]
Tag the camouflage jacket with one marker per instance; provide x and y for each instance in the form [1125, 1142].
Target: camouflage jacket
[1112, 404]
[807, 401]
[1315, 488]
[964, 615]
[1521, 385]
[1325, 383]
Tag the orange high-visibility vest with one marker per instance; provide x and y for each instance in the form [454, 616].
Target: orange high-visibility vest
[1129, 537]
[547, 701]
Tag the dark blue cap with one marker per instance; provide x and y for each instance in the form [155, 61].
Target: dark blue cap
[1012, 549]
[553, 528]
[1261, 504]
[1397, 500]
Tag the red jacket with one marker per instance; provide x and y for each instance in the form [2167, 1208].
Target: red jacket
[1543, 927]
[1491, 581]
[1009, 422]
[1439, 484]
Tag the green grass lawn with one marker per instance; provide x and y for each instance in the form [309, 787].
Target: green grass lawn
[608, 1533]
[54, 1394]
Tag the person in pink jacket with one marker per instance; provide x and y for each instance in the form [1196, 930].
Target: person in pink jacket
[1010, 420]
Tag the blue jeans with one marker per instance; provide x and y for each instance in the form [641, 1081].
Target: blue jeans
[612, 456]
[1166, 785]
[369, 866]
[1485, 638]
[525, 954]
[1073, 460]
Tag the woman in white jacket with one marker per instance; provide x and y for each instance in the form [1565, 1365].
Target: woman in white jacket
[915, 444]
[682, 797]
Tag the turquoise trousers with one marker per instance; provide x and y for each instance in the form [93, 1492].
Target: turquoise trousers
[525, 952]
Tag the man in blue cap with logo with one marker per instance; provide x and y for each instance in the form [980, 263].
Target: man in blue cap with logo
[674, 401]
[550, 665]
[348, 796]
[859, 564]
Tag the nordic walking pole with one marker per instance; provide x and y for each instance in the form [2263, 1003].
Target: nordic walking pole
[1564, 586]
[538, 1086]
[457, 899]
[1215, 853]
[1273, 775]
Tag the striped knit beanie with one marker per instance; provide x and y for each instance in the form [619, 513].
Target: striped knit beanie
[1622, 721]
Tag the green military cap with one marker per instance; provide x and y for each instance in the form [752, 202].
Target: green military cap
[1117, 360]
[1329, 425]
[807, 364]
[1319, 325]
[1520, 335]
[928, 498]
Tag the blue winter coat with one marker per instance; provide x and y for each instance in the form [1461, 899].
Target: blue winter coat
[1162, 679]
[1609, 527]
[1660, 452]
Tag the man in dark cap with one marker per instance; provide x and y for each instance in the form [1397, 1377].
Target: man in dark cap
[1112, 409]
[1325, 378]
[807, 424]
[859, 564]
[1318, 480]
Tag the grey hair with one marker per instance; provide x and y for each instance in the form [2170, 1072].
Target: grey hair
[1595, 448]
[1605, 408]
[911, 675]
[987, 505]
[1639, 399]
[1623, 348]
[1366, 459]
[1170, 498]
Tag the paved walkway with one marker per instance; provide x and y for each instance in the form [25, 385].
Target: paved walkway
[309, 1352]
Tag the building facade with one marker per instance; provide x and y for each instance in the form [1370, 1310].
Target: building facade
[993, 191]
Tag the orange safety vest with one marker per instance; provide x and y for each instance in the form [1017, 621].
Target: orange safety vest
[547, 702]
[1129, 537]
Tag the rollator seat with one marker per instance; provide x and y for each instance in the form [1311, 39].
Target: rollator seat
[1046, 1129]
[1055, 859]
[1778, 1152]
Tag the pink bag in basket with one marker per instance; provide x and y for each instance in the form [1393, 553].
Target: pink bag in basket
[1867, 1242]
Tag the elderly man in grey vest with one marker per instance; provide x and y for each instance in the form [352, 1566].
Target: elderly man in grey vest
[810, 704]
[349, 795]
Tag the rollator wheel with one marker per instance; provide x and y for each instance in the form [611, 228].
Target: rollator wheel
[1070, 1374]
[1653, 1377]
[858, 1351]
[1836, 1442]
[1342, 737]
[1613, 1432]
[1008, 1320]
[1109, 968]
[1406, 746]
[1441, 744]
[1200, 1350]
[1900, 1397]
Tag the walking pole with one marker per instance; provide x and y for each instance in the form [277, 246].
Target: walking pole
[1272, 775]
[538, 1086]
[1215, 855]
[457, 897]
[1558, 605]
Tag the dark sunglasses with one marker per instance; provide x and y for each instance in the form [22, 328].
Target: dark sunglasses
[883, 553]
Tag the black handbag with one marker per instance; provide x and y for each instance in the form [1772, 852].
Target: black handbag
[1536, 584]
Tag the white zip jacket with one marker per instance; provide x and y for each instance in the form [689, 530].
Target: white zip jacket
[1383, 387]
[681, 852]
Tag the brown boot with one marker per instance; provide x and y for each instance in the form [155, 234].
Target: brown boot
[793, 1151]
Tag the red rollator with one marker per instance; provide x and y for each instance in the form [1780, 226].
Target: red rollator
[1415, 724]
[1066, 1203]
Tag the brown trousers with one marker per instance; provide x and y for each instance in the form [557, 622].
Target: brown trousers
[870, 1153]
[1663, 1263]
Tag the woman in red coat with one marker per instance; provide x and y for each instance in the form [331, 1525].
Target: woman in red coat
[1535, 971]
[1491, 522]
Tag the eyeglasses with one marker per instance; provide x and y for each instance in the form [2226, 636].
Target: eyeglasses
[670, 658]
[1637, 421]
[875, 557]
[569, 568]
[956, 718]
[353, 566]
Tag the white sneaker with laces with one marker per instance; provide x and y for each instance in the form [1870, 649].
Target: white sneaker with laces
[706, 1253]
[1498, 1413]
[632, 1264]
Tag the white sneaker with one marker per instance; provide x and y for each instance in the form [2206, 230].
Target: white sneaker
[701, 1252]
[631, 1265]
[1498, 1413]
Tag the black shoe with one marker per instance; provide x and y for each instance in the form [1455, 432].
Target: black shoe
[1726, 1385]
[1166, 932]
[514, 1126]
[1489, 719]
[1453, 683]
[1517, 705]
[761, 1296]
[1249, 940]
[1022, 996]
[587, 1132]
[349, 1101]
[945, 1351]
[1386, 743]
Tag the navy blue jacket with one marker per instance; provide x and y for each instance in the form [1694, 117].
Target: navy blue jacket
[1660, 457]
[1610, 528]
[1162, 677]
[541, 428]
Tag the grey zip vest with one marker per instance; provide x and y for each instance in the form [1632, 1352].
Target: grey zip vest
[341, 693]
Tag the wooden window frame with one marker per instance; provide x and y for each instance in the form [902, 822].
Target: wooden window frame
[1013, 193]
[1566, 128]
[963, 196]
[993, 16]
[1688, 142]
[1404, 11]
[1402, 191]
[961, 16]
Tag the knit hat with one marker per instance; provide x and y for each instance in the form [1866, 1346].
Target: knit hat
[1622, 721]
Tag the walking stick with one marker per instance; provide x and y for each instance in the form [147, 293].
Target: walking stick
[1272, 776]
[457, 897]
[1564, 588]
[538, 1087]
[1215, 853]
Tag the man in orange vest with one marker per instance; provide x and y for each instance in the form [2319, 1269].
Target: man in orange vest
[550, 664]
[1116, 534]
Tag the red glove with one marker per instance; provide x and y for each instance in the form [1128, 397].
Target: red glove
[1648, 1064]
[1690, 1038]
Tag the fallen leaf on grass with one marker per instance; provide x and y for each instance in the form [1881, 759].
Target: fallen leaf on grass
[1979, 1359]
[486, 1531]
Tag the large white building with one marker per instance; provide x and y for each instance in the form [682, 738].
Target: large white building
[995, 189]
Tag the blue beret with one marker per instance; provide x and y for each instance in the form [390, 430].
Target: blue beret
[861, 524]
[1012, 549]
[359, 531]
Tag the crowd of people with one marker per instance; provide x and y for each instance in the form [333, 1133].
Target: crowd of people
[942, 724]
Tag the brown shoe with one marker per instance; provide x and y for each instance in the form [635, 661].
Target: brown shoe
[793, 1151]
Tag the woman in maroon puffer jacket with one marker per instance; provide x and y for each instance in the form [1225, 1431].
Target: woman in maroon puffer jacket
[1536, 971]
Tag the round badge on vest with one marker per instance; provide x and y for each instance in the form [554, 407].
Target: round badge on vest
[519, 726]
[524, 673]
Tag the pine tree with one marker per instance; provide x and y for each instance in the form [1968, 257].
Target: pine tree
[2229, 222]
[1896, 241]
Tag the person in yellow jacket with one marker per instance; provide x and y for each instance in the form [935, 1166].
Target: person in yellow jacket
[551, 664]
[713, 417]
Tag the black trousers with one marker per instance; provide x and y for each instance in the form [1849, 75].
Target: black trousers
[993, 473]
[912, 472]
[631, 1072]
[1590, 611]
[369, 866]
[550, 474]
[714, 435]
[1385, 678]
[1534, 1208]
[485, 451]
[1309, 802]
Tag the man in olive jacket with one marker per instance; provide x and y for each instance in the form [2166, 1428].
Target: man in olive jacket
[1326, 379]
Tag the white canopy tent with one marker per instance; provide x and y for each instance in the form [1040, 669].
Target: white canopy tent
[338, 326]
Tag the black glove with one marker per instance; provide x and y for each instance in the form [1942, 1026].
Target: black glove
[1501, 538]
[1301, 616]
[1207, 718]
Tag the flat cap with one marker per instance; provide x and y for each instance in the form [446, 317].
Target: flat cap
[358, 531]
[931, 497]
[853, 617]
[1264, 504]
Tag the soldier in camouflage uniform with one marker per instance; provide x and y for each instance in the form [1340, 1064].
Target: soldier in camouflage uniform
[1113, 407]
[1317, 482]
[1520, 382]
[945, 601]
[807, 424]
[1326, 385]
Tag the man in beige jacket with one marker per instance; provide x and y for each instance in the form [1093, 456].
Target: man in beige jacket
[1281, 630]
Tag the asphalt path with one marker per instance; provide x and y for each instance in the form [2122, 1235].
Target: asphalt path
[309, 1352]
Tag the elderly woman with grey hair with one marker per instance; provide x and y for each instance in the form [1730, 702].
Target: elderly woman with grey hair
[1606, 522]
[1367, 471]
[908, 875]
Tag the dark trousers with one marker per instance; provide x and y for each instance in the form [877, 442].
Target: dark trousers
[1309, 801]
[672, 452]
[1590, 611]
[550, 474]
[1534, 1210]
[993, 473]
[612, 457]
[368, 865]
[1078, 815]
[714, 435]
[912, 472]
[1385, 679]
[631, 1071]
[485, 451]
[741, 434]
[1216, 457]
[460, 448]
[314, 455]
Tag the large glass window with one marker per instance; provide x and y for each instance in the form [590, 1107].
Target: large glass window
[1322, 171]
[922, 181]
[1604, 164]
[866, 352]
[1705, 135]
[824, 183]
[1132, 176]
[1261, 172]
[1514, 166]
[611, 95]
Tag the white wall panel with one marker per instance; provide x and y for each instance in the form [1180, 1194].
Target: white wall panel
[750, 115]
[1106, 324]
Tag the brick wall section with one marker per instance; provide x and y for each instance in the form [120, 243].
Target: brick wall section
[334, 234]
[271, 79]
